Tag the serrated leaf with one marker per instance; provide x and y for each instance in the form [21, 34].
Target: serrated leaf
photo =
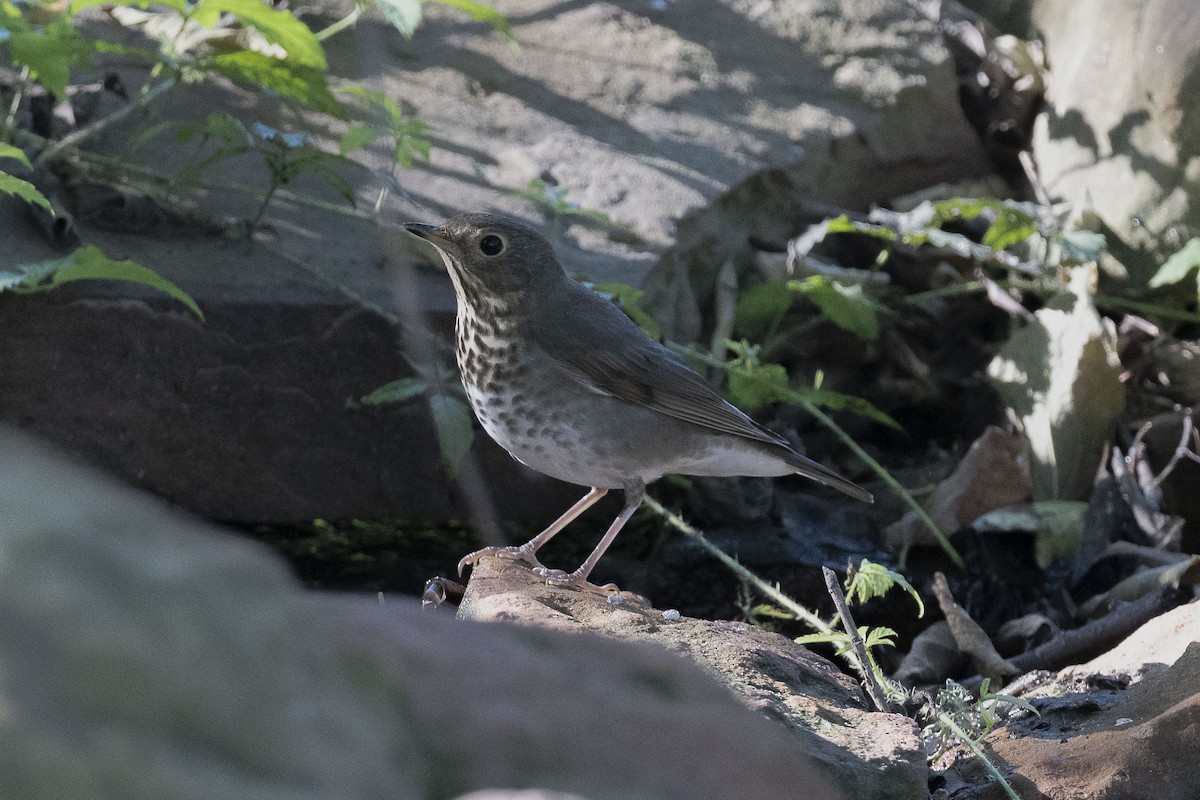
[306, 84]
[277, 26]
[396, 391]
[49, 54]
[18, 187]
[757, 385]
[837, 401]
[1011, 227]
[10, 151]
[1177, 267]
[405, 15]
[875, 580]
[848, 307]
[357, 137]
[759, 309]
[455, 431]
[90, 263]
[483, 13]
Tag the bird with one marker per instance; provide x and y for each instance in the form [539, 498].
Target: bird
[570, 386]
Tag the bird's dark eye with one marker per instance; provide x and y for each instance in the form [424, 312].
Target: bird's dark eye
[491, 245]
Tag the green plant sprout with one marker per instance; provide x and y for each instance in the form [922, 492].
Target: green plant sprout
[552, 200]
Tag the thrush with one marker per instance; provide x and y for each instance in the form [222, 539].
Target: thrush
[571, 387]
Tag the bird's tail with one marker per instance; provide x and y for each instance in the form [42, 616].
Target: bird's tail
[811, 469]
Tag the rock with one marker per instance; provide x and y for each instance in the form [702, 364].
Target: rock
[1152, 648]
[147, 655]
[1096, 740]
[867, 755]
[1132, 151]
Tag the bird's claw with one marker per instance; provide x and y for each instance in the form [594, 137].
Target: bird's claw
[557, 577]
[509, 553]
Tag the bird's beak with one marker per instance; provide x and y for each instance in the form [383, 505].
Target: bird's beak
[429, 233]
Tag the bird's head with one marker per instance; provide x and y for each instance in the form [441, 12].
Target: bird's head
[491, 254]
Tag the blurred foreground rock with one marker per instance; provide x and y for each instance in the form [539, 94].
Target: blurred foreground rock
[870, 756]
[145, 655]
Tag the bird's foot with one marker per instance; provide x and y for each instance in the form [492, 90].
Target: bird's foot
[557, 577]
[522, 553]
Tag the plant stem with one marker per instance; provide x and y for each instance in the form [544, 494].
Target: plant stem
[949, 722]
[10, 119]
[772, 592]
[1151, 309]
[339, 26]
[74, 138]
[895, 485]
[866, 667]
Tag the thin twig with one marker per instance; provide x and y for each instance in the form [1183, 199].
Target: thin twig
[1181, 449]
[866, 668]
[1031, 174]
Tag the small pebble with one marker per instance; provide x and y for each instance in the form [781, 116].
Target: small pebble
[671, 615]
[658, 5]
[1123, 721]
[615, 600]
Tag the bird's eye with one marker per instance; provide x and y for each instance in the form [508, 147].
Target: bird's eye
[491, 245]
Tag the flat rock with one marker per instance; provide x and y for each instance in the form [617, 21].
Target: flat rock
[1097, 741]
[147, 655]
[868, 755]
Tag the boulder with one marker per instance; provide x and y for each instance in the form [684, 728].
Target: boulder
[1122, 127]
[868, 755]
[147, 655]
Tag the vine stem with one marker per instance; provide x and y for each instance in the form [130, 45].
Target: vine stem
[772, 592]
[796, 398]
[948, 721]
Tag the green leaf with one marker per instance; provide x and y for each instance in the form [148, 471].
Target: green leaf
[49, 54]
[10, 151]
[756, 385]
[1060, 530]
[455, 430]
[848, 307]
[357, 137]
[90, 263]
[277, 26]
[629, 298]
[872, 580]
[1011, 227]
[18, 187]
[1082, 247]
[305, 84]
[1177, 267]
[837, 401]
[405, 15]
[395, 392]
[759, 309]
[483, 13]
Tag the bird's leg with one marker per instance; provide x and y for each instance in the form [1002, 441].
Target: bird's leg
[527, 552]
[635, 490]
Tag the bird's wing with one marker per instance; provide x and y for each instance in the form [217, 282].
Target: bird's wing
[607, 353]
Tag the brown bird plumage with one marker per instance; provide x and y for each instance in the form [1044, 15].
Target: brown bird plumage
[570, 386]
